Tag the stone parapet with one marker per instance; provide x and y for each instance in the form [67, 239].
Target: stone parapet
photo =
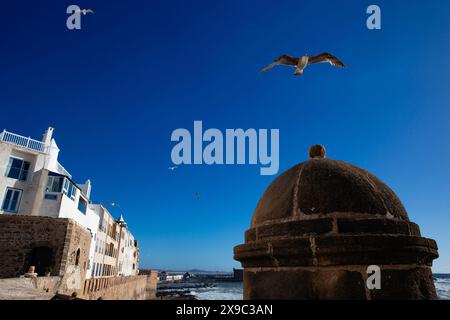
[142, 287]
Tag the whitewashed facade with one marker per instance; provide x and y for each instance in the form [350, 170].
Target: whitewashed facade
[33, 182]
[115, 248]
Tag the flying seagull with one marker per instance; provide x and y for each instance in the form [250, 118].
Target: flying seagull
[301, 63]
[172, 168]
[85, 11]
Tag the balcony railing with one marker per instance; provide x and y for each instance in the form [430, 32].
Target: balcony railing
[23, 142]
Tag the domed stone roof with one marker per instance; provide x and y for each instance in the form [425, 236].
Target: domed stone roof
[321, 225]
[321, 186]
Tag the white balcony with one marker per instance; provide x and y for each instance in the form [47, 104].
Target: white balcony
[24, 142]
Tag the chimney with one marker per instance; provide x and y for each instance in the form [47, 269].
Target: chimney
[87, 188]
[47, 138]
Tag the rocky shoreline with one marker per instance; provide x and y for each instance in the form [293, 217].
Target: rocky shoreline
[180, 290]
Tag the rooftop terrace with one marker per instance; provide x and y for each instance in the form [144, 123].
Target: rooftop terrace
[24, 142]
[30, 144]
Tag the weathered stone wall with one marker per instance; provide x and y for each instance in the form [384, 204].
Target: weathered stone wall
[77, 238]
[19, 235]
[47, 284]
[152, 283]
[69, 245]
[141, 287]
[398, 282]
[120, 288]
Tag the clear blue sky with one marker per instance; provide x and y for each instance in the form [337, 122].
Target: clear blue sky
[115, 90]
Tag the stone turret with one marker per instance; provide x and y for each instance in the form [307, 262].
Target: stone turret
[320, 225]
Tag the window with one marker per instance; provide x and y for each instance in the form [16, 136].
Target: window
[60, 184]
[82, 204]
[77, 258]
[66, 186]
[69, 189]
[111, 250]
[17, 169]
[54, 184]
[93, 270]
[12, 200]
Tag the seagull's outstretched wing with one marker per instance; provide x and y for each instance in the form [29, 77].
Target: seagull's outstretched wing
[326, 57]
[84, 11]
[284, 59]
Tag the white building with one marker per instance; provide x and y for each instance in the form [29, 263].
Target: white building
[116, 250]
[169, 277]
[129, 251]
[35, 183]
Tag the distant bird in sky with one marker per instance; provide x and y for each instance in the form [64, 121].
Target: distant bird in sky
[172, 168]
[85, 11]
[301, 63]
[197, 195]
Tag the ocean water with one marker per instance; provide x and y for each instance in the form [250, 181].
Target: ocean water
[442, 283]
[221, 291]
[234, 291]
